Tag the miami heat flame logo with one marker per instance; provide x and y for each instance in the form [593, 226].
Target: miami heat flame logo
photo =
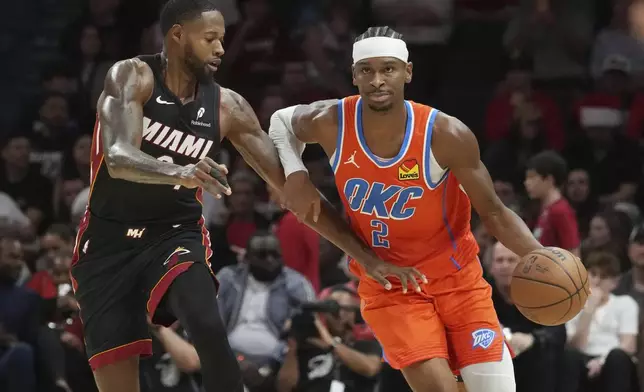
[409, 170]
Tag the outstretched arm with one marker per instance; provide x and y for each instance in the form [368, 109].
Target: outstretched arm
[128, 85]
[456, 149]
[257, 149]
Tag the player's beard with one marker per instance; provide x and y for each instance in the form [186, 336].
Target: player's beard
[194, 65]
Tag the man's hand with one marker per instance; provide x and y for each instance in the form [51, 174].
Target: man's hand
[208, 175]
[594, 299]
[325, 339]
[301, 196]
[594, 367]
[379, 270]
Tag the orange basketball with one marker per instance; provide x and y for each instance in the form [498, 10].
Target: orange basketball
[549, 286]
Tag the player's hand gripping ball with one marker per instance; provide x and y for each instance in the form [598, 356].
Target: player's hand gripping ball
[550, 286]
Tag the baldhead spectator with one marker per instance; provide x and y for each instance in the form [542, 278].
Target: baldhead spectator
[256, 298]
[535, 346]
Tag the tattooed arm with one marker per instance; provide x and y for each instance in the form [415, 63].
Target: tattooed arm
[256, 147]
[128, 85]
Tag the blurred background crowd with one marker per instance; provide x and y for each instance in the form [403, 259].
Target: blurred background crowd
[554, 90]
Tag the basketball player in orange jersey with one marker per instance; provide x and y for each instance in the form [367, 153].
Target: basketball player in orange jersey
[407, 173]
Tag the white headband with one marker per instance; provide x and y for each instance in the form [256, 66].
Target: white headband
[380, 47]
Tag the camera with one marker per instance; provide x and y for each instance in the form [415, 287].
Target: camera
[303, 321]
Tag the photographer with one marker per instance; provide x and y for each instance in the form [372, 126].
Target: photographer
[325, 356]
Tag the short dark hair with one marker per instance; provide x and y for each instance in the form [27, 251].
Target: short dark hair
[379, 31]
[605, 263]
[549, 163]
[179, 11]
[61, 230]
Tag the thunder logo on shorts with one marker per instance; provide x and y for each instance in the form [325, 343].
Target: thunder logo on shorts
[483, 338]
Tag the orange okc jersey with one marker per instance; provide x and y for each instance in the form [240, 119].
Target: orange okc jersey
[410, 210]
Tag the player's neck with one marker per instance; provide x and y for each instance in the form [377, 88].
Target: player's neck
[553, 196]
[391, 121]
[179, 81]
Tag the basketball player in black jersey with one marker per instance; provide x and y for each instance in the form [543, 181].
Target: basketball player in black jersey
[142, 249]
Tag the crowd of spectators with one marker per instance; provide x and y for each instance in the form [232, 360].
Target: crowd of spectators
[552, 88]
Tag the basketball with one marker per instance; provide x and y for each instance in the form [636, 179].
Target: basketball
[549, 286]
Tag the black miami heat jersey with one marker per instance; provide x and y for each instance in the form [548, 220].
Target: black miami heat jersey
[172, 132]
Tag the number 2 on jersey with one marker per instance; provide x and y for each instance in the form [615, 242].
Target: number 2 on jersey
[379, 234]
[168, 159]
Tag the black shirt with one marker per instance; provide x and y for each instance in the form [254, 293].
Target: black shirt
[172, 132]
[318, 368]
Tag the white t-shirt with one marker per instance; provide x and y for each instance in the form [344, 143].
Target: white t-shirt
[252, 335]
[618, 316]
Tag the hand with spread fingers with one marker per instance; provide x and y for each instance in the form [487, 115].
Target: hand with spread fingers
[207, 174]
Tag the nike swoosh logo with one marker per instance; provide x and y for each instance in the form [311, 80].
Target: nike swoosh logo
[181, 252]
[162, 102]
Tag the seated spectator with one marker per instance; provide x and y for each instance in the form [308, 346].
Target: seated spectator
[605, 332]
[23, 182]
[230, 238]
[299, 244]
[556, 34]
[557, 226]
[616, 41]
[251, 49]
[327, 42]
[517, 103]
[578, 191]
[326, 354]
[601, 149]
[535, 346]
[606, 233]
[19, 323]
[632, 283]
[52, 132]
[256, 299]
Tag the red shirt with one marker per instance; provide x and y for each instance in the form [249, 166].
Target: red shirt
[300, 247]
[498, 119]
[557, 226]
[42, 283]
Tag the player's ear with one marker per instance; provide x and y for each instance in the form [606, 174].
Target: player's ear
[176, 32]
[353, 75]
[408, 71]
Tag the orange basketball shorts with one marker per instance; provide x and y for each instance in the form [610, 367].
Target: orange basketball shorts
[454, 318]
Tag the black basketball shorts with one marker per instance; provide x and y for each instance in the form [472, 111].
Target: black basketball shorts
[120, 272]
